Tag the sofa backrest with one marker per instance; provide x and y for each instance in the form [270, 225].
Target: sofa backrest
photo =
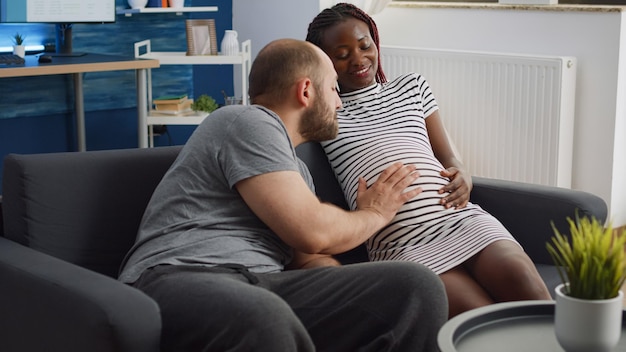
[328, 189]
[326, 185]
[85, 207]
[82, 207]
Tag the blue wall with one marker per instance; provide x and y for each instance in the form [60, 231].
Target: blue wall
[36, 113]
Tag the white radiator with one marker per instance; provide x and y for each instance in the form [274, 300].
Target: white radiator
[509, 116]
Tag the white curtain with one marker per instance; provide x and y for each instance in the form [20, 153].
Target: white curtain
[372, 7]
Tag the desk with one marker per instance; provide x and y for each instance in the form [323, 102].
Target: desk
[77, 66]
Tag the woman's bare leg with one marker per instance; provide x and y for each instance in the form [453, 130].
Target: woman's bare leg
[464, 293]
[507, 273]
[499, 273]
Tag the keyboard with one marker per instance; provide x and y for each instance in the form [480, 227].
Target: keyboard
[11, 59]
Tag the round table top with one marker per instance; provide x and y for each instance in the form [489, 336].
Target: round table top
[512, 326]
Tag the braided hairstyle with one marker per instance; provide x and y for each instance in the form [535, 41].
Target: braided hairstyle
[336, 14]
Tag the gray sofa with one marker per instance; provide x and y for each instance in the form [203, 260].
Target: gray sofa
[69, 218]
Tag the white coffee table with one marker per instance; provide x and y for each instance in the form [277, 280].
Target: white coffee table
[512, 327]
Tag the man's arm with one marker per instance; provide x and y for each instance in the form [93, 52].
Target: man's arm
[284, 202]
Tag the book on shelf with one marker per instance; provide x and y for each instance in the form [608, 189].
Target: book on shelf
[171, 102]
[170, 99]
[174, 106]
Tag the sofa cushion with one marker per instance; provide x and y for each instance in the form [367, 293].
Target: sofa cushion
[84, 208]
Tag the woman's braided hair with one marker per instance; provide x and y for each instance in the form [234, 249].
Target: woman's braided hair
[336, 14]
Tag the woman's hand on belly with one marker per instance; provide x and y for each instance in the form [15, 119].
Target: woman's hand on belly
[458, 189]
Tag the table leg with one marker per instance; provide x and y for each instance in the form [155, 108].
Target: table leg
[142, 108]
[79, 110]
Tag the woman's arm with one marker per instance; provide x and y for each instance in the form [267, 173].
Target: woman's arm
[460, 184]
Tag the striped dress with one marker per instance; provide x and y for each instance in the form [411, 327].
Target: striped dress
[385, 123]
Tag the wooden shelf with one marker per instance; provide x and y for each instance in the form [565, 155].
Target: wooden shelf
[181, 58]
[196, 118]
[143, 50]
[177, 10]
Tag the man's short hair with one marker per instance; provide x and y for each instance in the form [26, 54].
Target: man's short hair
[279, 65]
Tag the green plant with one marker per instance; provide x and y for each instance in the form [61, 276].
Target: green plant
[593, 265]
[204, 103]
[18, 39]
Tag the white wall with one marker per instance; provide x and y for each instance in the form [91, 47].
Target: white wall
[618, 187]
[262, 21]
[265, 20]
[595, 38]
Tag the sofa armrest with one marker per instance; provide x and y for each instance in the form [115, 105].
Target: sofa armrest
[1, 219]
[528, 210]
[47, 304]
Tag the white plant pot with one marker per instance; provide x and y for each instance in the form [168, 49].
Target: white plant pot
[587, 325]
[19, 50]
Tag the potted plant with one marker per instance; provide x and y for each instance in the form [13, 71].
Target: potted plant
[589, 301]
[18, 48]
[204, 103]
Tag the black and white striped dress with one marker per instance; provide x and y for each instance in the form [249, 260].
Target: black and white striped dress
[385, 123]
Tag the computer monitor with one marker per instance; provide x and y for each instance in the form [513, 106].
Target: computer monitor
[62, 13]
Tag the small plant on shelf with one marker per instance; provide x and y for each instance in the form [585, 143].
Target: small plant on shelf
[593, 265]
[204, 103]
[18, 39]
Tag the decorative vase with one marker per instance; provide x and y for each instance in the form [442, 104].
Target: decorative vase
[177, 3]
[230, 44]
[137, 4]
[19, 50]
[587, 325]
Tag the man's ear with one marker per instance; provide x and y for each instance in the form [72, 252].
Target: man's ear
[304, 91]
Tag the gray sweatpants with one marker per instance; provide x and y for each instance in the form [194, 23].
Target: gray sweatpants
[382, 306]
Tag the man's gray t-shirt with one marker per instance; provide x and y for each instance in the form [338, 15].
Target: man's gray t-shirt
[197, 217]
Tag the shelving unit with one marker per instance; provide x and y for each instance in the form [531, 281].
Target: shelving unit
[143, 50]
[177, 10]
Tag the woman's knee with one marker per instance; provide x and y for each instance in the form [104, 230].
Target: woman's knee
[509, 274]
[464, 293]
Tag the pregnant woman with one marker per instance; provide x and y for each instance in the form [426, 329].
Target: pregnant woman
[382, 122]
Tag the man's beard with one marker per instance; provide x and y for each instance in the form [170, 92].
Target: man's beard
[317, 125]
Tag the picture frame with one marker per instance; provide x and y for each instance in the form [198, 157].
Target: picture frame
[201, 37]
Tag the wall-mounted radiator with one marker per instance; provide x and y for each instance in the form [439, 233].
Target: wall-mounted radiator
[510, 116]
